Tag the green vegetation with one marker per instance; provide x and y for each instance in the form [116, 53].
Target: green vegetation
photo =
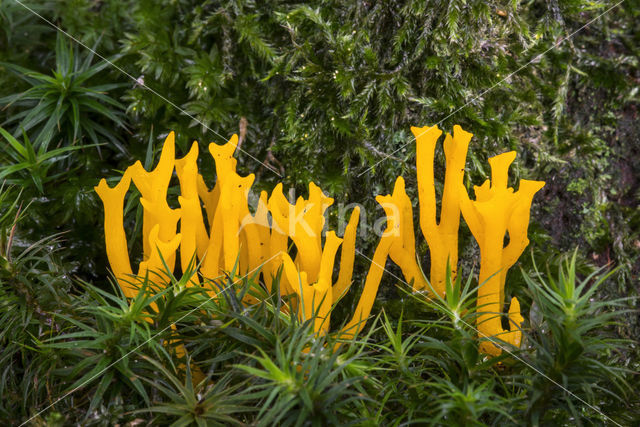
[324, 91]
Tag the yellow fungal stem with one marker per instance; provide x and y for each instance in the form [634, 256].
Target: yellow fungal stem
[514, 336]
[309, 275]
[323, 299]
[261, 221]
[518, 226]
[251, 238]
[166, 220]
[210, 264]
[209, 198]
[194, 234]
[225, 205]
[315, 298]
[188, 246]
[316, 207]
[403, 247]
[187, 171]
[115, 237]
[153, 187]
[302, 223]
[305, 238]
[279, 239]
[153, 268]
[232, 195]
[426, 140]
[161, 251]
[299, 286]
[223, 157]
[441, 237]
[294, 222]
[376, 270]
[347, 257]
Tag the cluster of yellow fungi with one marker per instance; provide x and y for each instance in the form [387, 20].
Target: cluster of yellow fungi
[229, 242]
[239, 243]
[497, 212]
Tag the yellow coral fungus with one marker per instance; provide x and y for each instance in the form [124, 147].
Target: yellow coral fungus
[309, 276]
[442, 236]
[153, 187]
[303, 223]
[376, 269]
[194, 234]
[315, 297]
[237, 241]
[226, 206]
[115, 237]
[403, 246]
[232, 241]
[496, 212]
[347, 257]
